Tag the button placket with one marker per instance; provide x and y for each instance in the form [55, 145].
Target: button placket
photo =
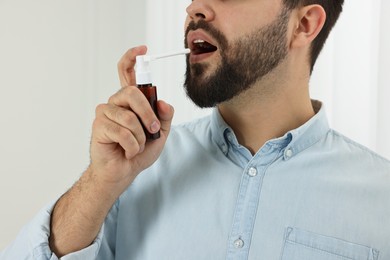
[247, 203]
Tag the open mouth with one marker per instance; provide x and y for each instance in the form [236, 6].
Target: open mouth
[200, 46]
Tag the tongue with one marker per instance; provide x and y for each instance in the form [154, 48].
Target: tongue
[204, 47]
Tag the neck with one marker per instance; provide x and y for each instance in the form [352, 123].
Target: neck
[257, 116]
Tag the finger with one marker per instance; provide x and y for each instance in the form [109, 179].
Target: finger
[126, 65]
[132, 98]
[126, 119]
[107, 132]
[166, 113]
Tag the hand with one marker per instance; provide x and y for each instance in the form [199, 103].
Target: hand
[119, 151]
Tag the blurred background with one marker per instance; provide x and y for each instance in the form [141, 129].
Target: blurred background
[58, 61]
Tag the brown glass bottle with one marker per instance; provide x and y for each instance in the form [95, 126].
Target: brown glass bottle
[150, 93]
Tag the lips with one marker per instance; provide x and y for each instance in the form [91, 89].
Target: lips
[200, 43]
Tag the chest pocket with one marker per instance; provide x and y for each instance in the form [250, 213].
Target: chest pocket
[304, 245]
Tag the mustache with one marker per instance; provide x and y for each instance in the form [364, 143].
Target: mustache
[210, 29]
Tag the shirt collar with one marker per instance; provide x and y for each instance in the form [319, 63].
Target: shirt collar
[293, 142]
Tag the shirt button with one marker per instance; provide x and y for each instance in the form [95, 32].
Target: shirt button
[252, 172]
[224, 148]
[239, 243]
[288, 153]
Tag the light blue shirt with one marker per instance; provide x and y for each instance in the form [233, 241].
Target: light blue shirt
[312, 194]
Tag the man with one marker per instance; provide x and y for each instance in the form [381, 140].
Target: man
[264, 177]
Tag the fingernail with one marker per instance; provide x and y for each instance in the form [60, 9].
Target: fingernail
[154, 127]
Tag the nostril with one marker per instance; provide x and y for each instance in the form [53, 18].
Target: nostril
[200, 15]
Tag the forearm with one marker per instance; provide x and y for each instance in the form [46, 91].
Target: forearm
[119, 152]
[79, 214]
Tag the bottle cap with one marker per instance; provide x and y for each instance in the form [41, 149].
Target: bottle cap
[142, 72]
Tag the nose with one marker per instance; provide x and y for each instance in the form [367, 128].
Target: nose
[200, 9]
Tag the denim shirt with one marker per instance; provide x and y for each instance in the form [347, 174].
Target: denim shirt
[312, 194]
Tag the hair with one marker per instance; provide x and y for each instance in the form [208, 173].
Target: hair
[333, 8]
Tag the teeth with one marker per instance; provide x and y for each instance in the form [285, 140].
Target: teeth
[199, 41]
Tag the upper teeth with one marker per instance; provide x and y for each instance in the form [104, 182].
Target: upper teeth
[199, 41]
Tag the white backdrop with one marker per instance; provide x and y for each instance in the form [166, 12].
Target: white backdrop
[58, 61]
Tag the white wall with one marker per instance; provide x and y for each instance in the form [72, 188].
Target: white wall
[351, 75]
[57, 61]
[383, 95]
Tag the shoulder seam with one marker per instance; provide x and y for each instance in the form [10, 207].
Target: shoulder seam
[358, 145]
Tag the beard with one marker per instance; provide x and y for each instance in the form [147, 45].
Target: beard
[243, 62]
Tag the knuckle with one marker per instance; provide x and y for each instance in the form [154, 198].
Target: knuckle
[97, 125]
[111, 100]
[99, 108]
[130, 90]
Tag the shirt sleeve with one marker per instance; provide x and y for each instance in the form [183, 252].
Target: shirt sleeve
[33, 241]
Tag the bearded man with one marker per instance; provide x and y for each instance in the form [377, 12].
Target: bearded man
[263, 177]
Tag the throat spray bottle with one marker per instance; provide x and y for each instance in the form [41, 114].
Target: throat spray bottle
[144, 82]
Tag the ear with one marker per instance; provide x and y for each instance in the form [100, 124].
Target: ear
[310, 20]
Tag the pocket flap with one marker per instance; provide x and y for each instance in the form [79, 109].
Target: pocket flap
[301, 244]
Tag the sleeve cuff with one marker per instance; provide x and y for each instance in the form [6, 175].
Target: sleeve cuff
[39, 232]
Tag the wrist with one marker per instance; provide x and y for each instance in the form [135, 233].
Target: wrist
[104, 185]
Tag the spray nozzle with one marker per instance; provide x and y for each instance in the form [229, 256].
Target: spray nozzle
[143, 75]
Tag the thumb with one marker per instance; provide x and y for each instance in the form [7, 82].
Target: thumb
[165, 113]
